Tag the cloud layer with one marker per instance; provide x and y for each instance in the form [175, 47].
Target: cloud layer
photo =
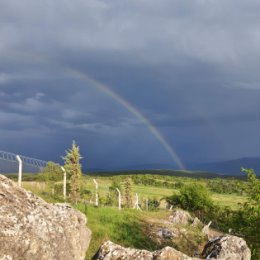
[191, 68]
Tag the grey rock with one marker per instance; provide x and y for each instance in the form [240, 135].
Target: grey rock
[180, 216]
[165, 233]
[221, 248]
[32, 229]
[111, 251]
[196, 222]
[227, 248]
[169, 253]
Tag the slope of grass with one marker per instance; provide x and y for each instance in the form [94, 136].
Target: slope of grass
[126, 227]
[123, 227]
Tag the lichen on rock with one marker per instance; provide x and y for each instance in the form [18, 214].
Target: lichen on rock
[227, 247]
[32, 229]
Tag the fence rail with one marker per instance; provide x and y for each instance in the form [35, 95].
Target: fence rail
[11, 157]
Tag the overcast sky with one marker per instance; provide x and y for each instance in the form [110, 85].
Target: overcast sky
[191, 68]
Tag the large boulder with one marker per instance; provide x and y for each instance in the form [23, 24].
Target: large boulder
[112, 251]
[32, 229]
[227, 248]
[221, 248]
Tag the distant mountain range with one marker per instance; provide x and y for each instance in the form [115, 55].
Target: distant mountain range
[230, 167]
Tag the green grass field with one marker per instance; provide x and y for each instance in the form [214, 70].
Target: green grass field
[143, 191]
[125, 227]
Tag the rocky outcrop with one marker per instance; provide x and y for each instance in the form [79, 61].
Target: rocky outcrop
[111, 251]
[221, 248]
[180, 216]
[32, 229]
[227, 248]
[196, 223]
[169, 253]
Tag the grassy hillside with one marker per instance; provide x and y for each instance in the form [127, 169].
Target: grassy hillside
[127, 227]
[123, 227]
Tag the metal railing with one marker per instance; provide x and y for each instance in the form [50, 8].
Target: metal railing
[11, 157]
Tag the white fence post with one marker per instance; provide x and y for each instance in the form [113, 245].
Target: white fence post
[119, 198]
[96, 192]
[136, 206]
[20, 172]
[64, 182]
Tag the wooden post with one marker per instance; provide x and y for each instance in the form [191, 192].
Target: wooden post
[20, 171]
[147, 204]
[64, 183]
[96, 203]
[119, 198]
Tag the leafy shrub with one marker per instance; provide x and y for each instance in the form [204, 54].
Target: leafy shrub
[52, 172]
[193, 196]
[85, 194]
[178, 184]
[153, 204]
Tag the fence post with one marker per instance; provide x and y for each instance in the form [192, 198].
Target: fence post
[136, 206]
[64, 183]
[20, 171]
[119, 198]
[96, 192]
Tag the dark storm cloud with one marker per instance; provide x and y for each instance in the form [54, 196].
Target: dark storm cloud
[190, 67]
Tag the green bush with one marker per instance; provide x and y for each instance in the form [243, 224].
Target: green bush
[193, 196]
[153, 204]
[52, 172]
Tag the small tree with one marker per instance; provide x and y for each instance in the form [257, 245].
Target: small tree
[128, 193]
[73, 168]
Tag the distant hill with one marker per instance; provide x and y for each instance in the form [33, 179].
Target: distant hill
[176, 173]
[230, 167]
[213, 169]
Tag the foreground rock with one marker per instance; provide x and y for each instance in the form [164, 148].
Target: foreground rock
[111, 251]
[222, 248]
[227, 248]
[32, 229]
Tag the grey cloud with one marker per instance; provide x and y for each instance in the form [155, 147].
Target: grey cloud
[181, 64]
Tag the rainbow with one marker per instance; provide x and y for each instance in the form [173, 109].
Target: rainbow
[105, 89]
